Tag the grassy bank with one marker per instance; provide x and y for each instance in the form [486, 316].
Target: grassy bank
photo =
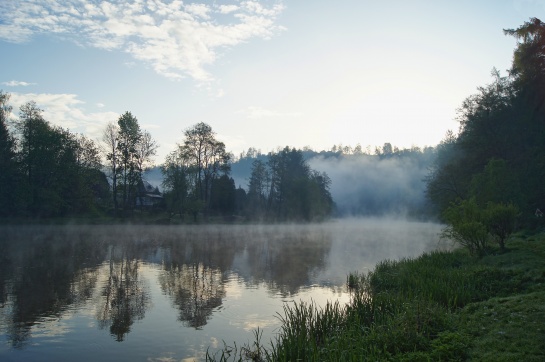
[442, 306]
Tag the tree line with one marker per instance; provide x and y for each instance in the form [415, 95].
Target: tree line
[493, 169]
[197, 181]
[285, 187]
[48, 171]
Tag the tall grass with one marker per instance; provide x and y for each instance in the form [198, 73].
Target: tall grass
[406, 310]
[451, 279]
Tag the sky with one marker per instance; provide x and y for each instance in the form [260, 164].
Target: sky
[262, 74]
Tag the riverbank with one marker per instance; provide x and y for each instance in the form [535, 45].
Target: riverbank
[441, 306]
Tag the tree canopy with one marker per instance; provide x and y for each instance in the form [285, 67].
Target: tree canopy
[498, 154]
[287, 189]
[197, 170]
[46, 170]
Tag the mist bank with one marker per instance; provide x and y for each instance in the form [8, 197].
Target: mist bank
[375, 186]
[391, 184]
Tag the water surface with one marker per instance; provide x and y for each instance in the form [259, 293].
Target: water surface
[169, 293]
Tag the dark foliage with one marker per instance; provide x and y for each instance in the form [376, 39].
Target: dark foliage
[498, 155]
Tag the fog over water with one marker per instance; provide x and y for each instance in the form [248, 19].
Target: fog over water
[130, 292]
[371, 185]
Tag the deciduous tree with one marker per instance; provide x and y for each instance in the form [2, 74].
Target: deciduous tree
[128, 138]
[8, 165]
[207, 157]
[111, 153]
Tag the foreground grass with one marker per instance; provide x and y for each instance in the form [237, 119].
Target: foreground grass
[442, 306]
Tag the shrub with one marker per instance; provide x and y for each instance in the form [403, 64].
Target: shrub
[467, 226]
[501, 220]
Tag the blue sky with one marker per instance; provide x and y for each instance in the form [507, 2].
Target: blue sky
[263, 74]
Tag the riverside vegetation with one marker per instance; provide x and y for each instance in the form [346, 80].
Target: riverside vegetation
[441, 306]
[480, 302]
[484, 301]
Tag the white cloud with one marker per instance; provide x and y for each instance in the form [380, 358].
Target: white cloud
[65, 110]
[176, 38]
[226, 9]
[16, 83]
[199, 10]
[260, 113]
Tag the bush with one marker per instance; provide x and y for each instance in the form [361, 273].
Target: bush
[501, 220]
[473, 227]
[467, 226]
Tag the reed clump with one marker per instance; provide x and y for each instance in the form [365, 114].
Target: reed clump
[432, 308]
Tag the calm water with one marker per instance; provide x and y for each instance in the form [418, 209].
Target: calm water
[161, 293]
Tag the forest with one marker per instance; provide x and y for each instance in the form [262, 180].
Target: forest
[495, 159]
[48, 172]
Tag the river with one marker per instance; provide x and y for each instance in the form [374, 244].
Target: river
[170, 293]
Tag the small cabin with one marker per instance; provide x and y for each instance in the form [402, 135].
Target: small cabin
[148, 196]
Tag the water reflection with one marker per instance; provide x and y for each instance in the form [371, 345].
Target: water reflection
[113, 278]
[124, 296]
[40, 278]
[195, 291]
[45, 270]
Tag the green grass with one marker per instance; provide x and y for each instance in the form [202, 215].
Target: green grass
[441, 306]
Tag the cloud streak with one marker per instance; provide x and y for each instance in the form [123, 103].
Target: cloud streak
[176, 38]
[17, 83]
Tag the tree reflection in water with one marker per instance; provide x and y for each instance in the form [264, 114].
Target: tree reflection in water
[195, 290]
[125, 297]
[286, 259]
[44, 275]
[48, 270]
[192, 273]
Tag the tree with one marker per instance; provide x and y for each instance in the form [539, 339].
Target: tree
[529, 56]
[473, 226]
[387, 149]
[528, 132]
[207, 157]
[288, 172]
[501, 221]
[287, 189]
[499, 153]
[258, 188]
[110, 150]
[129, 172]
[48, 157]
[146, 149]
[31, 125]
[486, 122]
[467, 226]
[223, 195]
[92, 182]
[176, 181]
[320, 201]
[8, 165]
[192, 170]
[497, 183]
[87, 152]
[358, 150]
